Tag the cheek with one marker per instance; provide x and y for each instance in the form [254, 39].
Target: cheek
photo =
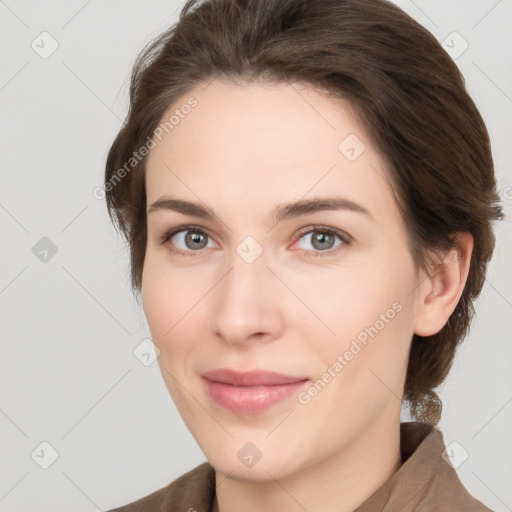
[170, 301]
[163, 299]
[366, 312]
[165, 291]
[156, 304]
[348, 300]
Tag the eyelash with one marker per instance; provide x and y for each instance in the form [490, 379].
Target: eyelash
[344, 237]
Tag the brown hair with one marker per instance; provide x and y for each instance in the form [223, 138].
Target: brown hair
[406, 90]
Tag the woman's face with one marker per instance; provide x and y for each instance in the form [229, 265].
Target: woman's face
[260, 285]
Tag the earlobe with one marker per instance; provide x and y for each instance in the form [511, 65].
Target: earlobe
[442, 288]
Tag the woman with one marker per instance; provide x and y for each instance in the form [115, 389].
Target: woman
[259, 132]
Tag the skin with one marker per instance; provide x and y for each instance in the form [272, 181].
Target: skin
[243, 150]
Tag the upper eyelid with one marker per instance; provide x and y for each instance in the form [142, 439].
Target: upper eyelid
[178, 229]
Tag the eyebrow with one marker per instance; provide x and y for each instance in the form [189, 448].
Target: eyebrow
[280, 213]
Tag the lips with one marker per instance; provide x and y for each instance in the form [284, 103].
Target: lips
[250, 392]
[250, 378]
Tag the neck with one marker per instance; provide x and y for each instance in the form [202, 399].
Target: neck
[340, 482]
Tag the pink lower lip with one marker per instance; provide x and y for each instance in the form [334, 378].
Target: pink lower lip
[250, 399]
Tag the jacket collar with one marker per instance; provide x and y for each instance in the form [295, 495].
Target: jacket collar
[425, 480]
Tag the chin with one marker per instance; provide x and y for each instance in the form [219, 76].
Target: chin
[264, 470]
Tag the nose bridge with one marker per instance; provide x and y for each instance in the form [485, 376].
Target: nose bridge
[246, 299]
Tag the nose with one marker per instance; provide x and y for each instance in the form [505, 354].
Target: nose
[248, 303]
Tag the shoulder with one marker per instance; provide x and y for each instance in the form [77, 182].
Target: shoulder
[439, 485]
[192, 490]
[152, 501]
[426, 480]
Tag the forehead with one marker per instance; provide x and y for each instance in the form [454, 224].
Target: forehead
[264, 144]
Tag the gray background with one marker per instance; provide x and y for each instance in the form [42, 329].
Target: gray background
[69, 325]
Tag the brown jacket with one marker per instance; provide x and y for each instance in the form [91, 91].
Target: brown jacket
[423, 483]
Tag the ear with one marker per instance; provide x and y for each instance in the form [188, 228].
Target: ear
[441, 290]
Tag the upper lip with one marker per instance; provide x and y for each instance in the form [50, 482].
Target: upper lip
[250, 378]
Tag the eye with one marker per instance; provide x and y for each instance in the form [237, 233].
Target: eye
[323, 239]
[186, 240]
[189, 240]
